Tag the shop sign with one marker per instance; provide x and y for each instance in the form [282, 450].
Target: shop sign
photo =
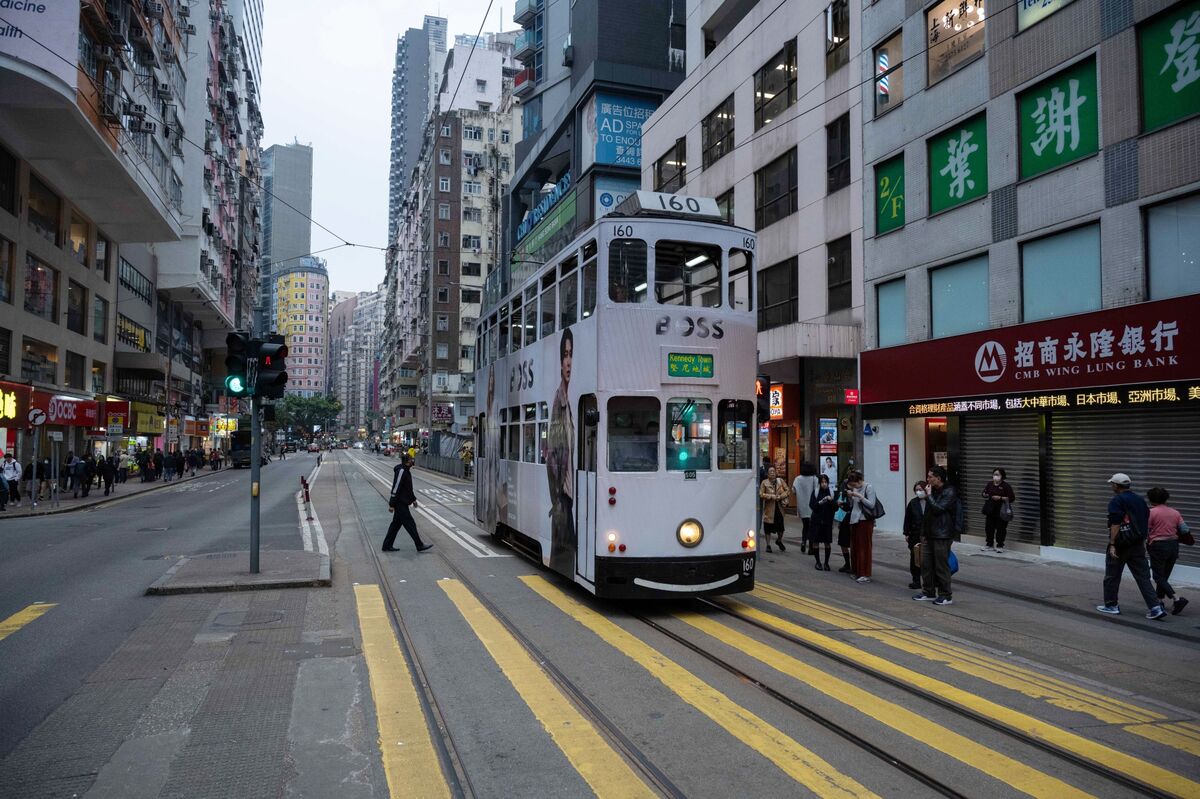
[893, 457]
[443, 413]
[45, 34]
[852, 396]
[1159, 394]
[1031, 12]
[147, 419]
[955, 36]
[1170, 77]
[116, 413]
[224, 425]
[958, 168]
[889, 195]
[1059, 122]
[542, 208]
[189, 426]
[776, 400]
[14, 402]
[827, 436]
[69, 411]
[115, 430]
[1151, 342]
[612, 129]
[608, 192]
[202, 428]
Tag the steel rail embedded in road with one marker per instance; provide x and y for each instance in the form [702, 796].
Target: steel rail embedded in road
[621, 742]
[1091, 766]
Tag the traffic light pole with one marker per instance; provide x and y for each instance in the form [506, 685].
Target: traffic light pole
[255, 473]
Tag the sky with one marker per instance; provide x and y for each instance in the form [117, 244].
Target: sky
[327, 81]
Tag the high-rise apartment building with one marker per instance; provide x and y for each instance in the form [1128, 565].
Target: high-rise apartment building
[420, 54]
[301, 312]
[287, 226]
[356, 367]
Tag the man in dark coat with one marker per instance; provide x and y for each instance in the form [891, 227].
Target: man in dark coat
[399, 501]
[108, 472]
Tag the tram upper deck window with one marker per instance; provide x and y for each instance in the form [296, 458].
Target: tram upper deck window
[503, 330]
[568, 293]
[516, 329]
[627, 270]
[589, 280]
[493, 334]
[689, 437]
[735, 421]
[741, 280]
[633, 434]
[531, 314]
[547, 304]
[687, 273]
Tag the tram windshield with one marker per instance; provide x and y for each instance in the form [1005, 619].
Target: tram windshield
[689, 439]
[687, 273]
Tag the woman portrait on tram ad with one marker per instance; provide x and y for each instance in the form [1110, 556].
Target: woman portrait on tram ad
[560, 465]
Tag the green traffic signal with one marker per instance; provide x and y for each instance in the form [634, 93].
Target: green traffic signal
[237, 362]
[234, 385]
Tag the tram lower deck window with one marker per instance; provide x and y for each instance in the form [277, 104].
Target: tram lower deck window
[735, 422]
[689, 437]
[633, 426]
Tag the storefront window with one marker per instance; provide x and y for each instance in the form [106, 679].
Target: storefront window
[889, 308]
[76, 368]
[627, 270]
[44, 209]
[39, 361]
[1060, 274]
[959, 297]
[741, 280]
[1173, 248]
[79, 238]
[954, 35]
[76, 307]
[41, 289]
[633, 434]
[736, 422]
[687, 274]
[889, 74]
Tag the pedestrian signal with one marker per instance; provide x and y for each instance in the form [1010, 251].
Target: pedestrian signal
[762, 397]
[237, 365]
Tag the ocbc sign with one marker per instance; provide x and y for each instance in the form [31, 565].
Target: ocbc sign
[61, 410]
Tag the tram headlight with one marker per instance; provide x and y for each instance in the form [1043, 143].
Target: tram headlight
[690, 532]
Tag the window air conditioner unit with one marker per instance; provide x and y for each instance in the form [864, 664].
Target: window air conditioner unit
[138, 34]
[190, 30]
[163, 91]
[184, 10]
[143, 127]
[106, 54]
[153, 10]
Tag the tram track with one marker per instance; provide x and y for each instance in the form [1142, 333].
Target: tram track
[654, 776]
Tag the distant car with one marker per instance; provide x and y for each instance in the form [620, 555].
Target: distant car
[358, 445]
[314, 447]
[341, 445]
[289, 446]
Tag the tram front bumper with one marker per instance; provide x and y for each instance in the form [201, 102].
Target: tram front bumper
[632, 578]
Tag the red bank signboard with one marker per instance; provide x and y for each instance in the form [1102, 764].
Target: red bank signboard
[69, 411]
[1151, 342]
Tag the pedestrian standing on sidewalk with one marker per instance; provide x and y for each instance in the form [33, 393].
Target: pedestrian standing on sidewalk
[159, 460]
[169, 467]
[862, 524]
[1162, 543]
[841, 517]
[108, 472]
[1128, 523]
[400, 500]
[12, 473]
[943, 510]
[3, 491]
[773, 492]
[122, 467]
[995, 494]
[914, 522]
[822, 505]
[804, 486]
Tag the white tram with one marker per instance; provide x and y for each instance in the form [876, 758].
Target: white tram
[615, 386]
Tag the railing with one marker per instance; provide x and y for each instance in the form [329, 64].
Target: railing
[442, 463]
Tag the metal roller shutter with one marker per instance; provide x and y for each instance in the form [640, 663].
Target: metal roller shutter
[1010, 443]
[1154, 446]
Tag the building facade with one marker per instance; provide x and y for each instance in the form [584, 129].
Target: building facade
[1030, 239]
[301, 314]
[420, 54]
[287, 226]
[768, 122]
[358, 362]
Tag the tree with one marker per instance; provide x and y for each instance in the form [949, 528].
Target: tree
[306, 412]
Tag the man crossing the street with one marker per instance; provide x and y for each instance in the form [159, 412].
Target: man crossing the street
[399, 501]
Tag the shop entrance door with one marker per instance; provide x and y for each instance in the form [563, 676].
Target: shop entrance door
[937, 443]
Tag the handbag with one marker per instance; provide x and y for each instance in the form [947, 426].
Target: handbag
[840, 516]
[874, 513]
[1184, 534]
[1006, 513]
[953, 560]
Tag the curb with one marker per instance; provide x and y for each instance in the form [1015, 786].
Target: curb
[108, 500]
[160, 586]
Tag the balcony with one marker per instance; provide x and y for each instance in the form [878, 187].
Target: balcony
[523, 82]
[525, 46]
[525, 12]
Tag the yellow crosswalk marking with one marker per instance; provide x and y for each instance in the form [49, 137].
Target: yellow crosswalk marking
[590, 754]
[23, 617]
[410, 761]
[1021, 777]
[798, 762]
[1137, 768]
[1107, 709]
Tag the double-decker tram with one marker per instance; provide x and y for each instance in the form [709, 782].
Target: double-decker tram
[615, 387]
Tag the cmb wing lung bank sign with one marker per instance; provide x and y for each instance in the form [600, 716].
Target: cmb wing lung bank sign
[44, 34]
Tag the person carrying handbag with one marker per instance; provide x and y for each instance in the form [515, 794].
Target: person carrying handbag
[774, 494]
[1166, 530]
[862, 524]
[1128, 521]
[997, 510]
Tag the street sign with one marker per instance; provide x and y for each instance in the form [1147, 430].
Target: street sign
[116, 429]
[37, 417]
[55, 435]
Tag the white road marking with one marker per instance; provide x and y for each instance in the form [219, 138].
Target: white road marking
[305, 531]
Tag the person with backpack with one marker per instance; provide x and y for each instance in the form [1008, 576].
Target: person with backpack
[864, 510]
[942, 522]
[12, 474]
[1128, 523]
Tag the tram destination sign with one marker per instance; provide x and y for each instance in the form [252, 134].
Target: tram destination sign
[661, 202]
[689, 364]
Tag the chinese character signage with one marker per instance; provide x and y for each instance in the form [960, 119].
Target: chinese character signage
[889, 195]
[612, 129]
[958, 171]
[689, 364]
[776, 401]
[1059, 120]
[1151, 342]
[443, 413]
[1169, 46]
[14, 404]
[1031, 12]
[954, 32]
[64, 410]
[1159, 394]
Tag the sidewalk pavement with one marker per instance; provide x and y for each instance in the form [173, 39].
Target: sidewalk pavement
[67, 503]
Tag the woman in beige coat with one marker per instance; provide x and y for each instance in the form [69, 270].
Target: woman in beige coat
[774, 495]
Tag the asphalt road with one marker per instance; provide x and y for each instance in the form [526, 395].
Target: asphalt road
[95, 565]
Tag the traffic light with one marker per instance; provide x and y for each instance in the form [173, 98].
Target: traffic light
[762, 397]
[272, 367]
[237, 364]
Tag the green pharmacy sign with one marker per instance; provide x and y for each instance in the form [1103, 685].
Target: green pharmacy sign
[1059, 122]
[1169, 46]
[689, 364]
[889, 195]
[958, 170]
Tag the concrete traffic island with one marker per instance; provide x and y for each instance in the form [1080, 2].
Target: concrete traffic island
[230, 571]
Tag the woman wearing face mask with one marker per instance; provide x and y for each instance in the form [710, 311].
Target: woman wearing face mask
[914, 515]
[773, 492]
[995, 525]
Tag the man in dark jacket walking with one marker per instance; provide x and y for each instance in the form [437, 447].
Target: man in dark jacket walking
[942, 513]
[399, 501]
[1127, 509]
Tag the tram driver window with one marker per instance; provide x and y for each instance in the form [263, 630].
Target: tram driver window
[686, 273]
[741, 280]
[689, 436]
[627, 270]
[633, 434]
[735, 421]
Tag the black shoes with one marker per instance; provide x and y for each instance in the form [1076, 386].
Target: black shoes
[390, 549]
[914, 585]
[424, 547]
[845, 568]
[819, 567]
[1178, 605]
[782, 548]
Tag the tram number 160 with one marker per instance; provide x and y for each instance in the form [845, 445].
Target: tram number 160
[676, 203]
